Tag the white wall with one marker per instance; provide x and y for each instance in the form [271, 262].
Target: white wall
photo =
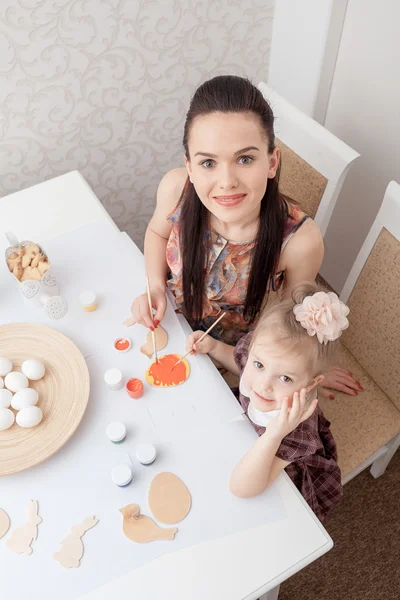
[364, 111]
[299, 35]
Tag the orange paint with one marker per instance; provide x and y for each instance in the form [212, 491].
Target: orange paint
[122, 344]
[162, 374]
[134, 387]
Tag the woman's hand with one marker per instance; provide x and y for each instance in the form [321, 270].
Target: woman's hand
[206, 345]
[289, 418]
[141, 311]
[341, 380]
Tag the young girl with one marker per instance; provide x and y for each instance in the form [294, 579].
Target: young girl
[281, 365]
[222, 236]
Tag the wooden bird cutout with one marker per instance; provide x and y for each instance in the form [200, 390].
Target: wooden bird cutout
[140, 528]
[71, 550]
[22, 538]
[161, 337]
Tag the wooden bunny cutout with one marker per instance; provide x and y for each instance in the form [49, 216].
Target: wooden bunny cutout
[71, 550]
[22, 538]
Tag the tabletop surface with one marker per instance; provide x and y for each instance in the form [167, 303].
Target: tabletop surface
[242, 557]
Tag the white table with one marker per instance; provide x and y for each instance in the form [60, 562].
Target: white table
[241, 566]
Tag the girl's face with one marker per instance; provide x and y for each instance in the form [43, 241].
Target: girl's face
[271, 374]
[229, 164]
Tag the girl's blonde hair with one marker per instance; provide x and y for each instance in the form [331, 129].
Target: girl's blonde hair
[279, 320]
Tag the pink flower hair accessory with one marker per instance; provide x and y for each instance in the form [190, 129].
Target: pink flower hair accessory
[323, 315]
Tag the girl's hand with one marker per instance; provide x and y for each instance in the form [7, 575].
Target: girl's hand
[204, 347]
[290, 418]
[141, 312]
[341, 380]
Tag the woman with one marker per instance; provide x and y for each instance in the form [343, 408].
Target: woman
[222, 236]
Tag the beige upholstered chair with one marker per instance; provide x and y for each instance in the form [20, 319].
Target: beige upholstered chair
[314, 161]
[367, 427]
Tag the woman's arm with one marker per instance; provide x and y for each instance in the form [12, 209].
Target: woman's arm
[258, 468]
[301, 261]
[302, 257]
[155, 244]
[159, 229]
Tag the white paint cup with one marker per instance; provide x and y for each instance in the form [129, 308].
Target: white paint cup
[113, 379]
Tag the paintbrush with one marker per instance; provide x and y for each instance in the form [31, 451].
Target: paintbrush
[199, 340]
[151, 313]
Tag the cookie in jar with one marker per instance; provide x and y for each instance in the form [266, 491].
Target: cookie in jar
[29, 265]
[27, 262]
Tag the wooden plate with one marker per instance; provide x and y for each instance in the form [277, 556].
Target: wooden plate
[63, 394]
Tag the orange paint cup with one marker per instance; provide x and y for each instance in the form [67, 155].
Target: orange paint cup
[122, 344]
[134, 387]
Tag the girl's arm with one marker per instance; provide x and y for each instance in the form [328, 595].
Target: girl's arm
[260, 466]
[223, 353]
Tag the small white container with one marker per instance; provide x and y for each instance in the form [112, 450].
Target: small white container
[146, 454]
[113, 378]
[116, 432]
[88, 300]
[121, 475]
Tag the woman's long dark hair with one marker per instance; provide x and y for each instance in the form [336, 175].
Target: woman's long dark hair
[238, 95]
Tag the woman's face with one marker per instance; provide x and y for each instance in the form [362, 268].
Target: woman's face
[229, 164]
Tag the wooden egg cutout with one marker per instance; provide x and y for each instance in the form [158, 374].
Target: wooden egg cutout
[169, 498]
[162, 373]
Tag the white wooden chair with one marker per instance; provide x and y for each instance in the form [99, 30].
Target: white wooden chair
[367, 427]
[314, 161]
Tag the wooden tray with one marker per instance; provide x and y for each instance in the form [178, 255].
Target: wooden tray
[63, 394]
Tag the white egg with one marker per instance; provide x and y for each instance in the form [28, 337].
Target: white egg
[5, 398]
[24, 398]
[33, 369]
[29, 416]
[5, 366]
[6, 418]
[16, 381]
[1, 383]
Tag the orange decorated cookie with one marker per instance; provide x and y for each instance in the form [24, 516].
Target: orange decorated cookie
[162, 373]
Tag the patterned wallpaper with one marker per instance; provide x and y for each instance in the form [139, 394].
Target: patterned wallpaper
[103, 87]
